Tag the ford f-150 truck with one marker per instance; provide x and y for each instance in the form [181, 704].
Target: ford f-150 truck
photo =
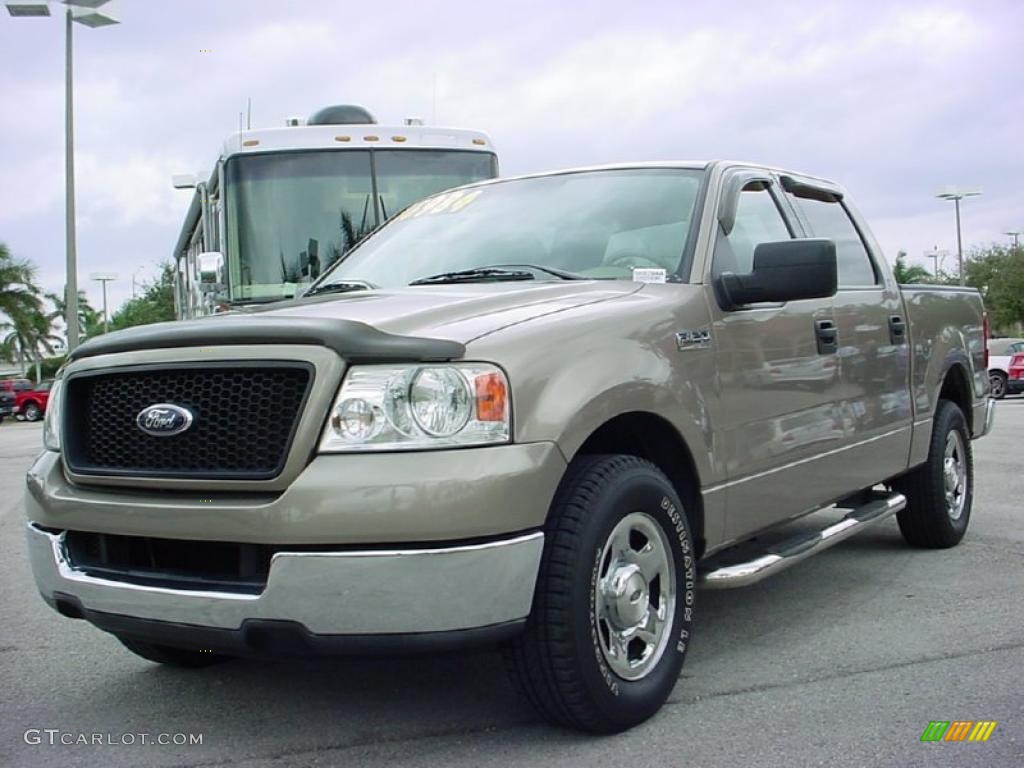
[536, 412]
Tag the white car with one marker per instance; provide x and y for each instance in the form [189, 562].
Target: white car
[1000, 351]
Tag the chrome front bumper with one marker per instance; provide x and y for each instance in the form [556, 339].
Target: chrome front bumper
[392, 591]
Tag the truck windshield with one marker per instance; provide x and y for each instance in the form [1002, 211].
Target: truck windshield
[596, 224]
[290, 215]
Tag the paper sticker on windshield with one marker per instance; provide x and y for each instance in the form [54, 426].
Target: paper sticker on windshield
[449, 202]
[649, 275]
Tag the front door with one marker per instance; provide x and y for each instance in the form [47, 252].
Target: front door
[778, 375]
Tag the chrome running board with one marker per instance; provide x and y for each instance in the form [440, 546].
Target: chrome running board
[780, 556]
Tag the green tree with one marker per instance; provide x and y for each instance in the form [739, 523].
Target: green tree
[998, 272]
[907, 274]
[154, 305]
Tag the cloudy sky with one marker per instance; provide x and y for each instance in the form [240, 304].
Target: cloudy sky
[893, 98]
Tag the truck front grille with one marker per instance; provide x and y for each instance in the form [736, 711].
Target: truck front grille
[244, 419]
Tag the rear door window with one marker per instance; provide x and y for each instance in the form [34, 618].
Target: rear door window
[829, 218]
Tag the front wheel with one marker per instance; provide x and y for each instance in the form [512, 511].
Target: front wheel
[997, 384]
[940, 492]
[32, 412]
[613, 606]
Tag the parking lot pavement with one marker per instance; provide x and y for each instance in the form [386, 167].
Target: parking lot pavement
[841, 661]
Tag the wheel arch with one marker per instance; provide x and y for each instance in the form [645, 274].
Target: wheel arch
[652, 437]
[956, 387]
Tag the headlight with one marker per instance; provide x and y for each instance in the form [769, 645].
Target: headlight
[51, 423]
[403, 407]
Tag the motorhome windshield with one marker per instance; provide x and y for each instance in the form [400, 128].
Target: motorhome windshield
[290, 215]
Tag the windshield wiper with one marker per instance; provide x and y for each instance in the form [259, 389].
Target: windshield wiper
[476, 275]
[547, 270]
[496, 272]
[342, 286]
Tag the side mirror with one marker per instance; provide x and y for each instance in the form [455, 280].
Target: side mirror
[210, 266]
[787, 270]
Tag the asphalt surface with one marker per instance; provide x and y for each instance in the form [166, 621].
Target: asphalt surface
[841, 661]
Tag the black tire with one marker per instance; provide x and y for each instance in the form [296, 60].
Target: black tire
[177, 657]
[926, 521]
[32, 412]
[997, 384]
[558, 663]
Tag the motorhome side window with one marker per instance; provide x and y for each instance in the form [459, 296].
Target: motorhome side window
[829, 218]
[758, 220]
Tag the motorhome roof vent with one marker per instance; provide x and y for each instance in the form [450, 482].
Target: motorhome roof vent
[341, 114]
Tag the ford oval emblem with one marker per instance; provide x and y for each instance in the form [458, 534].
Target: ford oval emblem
[164, 419]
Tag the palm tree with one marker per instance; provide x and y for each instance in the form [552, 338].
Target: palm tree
[89, 320]
[28, 339]
[905, 275]
[19, 295]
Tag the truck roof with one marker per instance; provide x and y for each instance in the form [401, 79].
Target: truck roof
[696, 165]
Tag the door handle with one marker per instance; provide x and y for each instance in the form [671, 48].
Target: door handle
[827, 335]
[897, 330]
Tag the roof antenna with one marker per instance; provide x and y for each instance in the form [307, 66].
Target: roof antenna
[241, 125]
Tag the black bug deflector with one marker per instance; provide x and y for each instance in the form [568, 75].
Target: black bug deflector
[356, 342]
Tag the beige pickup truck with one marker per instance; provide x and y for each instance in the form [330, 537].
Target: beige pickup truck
[535, 412]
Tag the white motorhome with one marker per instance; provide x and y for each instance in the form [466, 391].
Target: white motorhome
[282, 204]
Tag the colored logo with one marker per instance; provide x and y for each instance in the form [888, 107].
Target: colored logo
[164, 419]
[958, 730]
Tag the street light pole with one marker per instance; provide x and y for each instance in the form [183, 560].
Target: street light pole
[104, 278]
[938, 257]
[956, 195]
[85, 12]
[959, 242]
[71, 255]
[134, 281]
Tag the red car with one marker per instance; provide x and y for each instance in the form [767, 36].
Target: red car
[30, 404]
[1015, 374]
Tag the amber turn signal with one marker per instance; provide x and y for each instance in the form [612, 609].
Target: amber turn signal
[491, 397]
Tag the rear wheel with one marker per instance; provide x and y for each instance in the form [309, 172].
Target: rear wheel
[165, 654]
[613, 605]
[940, 492]
[997, 384]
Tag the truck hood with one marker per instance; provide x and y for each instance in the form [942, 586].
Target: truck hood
[414, 322]
[459, 312]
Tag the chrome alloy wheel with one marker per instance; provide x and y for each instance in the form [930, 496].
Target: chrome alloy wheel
[954, 475]
[635, 596]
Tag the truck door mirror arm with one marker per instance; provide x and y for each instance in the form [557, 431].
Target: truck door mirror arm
[786, 270]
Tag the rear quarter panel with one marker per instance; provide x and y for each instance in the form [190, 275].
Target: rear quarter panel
[946, 330]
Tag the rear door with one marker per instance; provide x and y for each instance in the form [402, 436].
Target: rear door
[872, 393]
